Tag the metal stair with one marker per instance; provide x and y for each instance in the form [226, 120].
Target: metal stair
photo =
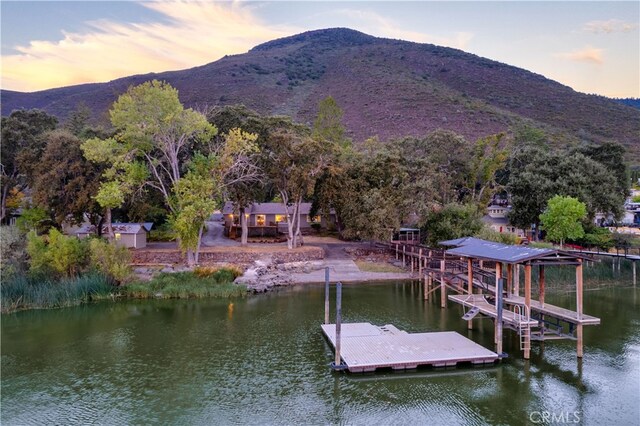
[471, 313]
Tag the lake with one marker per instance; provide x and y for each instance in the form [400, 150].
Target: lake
[263, 360]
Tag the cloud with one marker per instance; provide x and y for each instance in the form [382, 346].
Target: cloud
[609, 27]
[192, 33]
[587, 54]
[375, 24]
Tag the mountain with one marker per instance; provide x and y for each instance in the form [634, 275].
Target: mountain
[389, 88]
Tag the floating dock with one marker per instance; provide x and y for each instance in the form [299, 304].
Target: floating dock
[366, 347]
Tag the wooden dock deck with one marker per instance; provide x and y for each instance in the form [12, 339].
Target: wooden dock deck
[478, 300]
[563, 314]
[366, 347]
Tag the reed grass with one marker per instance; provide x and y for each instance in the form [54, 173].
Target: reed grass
[186, 285]
[24, 292]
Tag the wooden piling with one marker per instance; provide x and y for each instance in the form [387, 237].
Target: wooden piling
[509, 279]
[419, 263]
[404, 250]
[338, 360]
[541, 286]
[497, 326]
[470, 286]
[326, 295]
[499, 296]
[396, 252]
[579, 346]
[443, 289]
[516, 281]
[527, 303]
[634, 273]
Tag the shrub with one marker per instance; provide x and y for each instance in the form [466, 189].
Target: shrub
[110, 259]
[486, 233]
[13, 253]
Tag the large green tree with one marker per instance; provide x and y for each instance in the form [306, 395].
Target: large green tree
[536, 172]
[22, 143]
[153, 126]
[65, 181]
[562, 219]
[451, 221]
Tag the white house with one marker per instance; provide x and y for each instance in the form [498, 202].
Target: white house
[496, 219]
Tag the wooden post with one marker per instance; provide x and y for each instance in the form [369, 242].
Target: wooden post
[338, 361]
[443, 289]
[396, 251]
[516, 279]
[527, 303]
[412, 259]
[509, 279]
[634, 273]
[498, 324]
[326, 295]
[425, 293]
[481, 264]
[499, 296]
[541, 282]
[579, 307]
[470, 286]
[419, 263]
[404, 250]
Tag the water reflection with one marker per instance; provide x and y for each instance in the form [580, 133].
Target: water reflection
[263, 360]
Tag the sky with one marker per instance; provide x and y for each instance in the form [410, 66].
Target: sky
[593, 47]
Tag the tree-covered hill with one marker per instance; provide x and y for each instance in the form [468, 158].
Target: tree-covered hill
[388, 88]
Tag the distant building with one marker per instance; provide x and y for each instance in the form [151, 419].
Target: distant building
[496, 219]
[130, 235]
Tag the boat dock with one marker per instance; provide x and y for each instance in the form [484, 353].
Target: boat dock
[366, 347]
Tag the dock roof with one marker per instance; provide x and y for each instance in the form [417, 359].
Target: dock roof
[488, 250]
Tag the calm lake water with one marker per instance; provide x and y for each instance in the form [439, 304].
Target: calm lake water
[263, 360]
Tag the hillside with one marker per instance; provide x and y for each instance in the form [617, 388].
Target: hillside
[388, 88]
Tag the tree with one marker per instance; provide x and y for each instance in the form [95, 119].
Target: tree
[66, 182]
[121, 177]
[239, 172]
[450, 222]
[536, 172]
[328, 123]
[293, 162]
[562, 218]
[195, 199]
[21, 144]
[488, 157]
[153, 126]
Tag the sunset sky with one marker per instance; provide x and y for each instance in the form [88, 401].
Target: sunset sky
[594, 47]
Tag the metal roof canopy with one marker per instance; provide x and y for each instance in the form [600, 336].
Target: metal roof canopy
[488, 250]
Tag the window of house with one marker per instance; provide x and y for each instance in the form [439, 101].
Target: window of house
[313, 219]
[260, 219]
[118, 236]
[281, 218]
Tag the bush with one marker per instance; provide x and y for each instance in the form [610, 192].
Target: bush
[163, 232]
[13, 252]
[110, 259]
[56, 254]
[489, 234]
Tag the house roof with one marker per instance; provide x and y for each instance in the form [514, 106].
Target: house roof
[266, 208]
[488, 250]
[121, 228]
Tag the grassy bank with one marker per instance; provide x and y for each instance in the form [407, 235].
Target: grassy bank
[23, 292]
[185, 285]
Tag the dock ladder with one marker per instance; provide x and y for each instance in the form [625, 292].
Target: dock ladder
[524, 329]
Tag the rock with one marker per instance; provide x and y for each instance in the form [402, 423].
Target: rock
[167, 270]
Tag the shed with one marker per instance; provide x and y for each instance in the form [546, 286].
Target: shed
[131, 235]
